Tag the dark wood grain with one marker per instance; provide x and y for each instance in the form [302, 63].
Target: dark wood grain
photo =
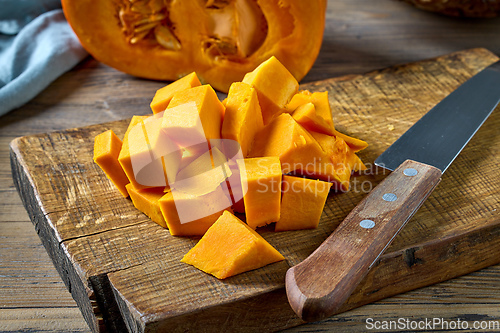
[318, 286]
[123, 269]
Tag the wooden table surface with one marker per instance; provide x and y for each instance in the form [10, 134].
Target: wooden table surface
[360, 36]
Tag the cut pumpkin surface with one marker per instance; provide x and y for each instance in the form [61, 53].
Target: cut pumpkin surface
[318, 99]
[261, 182]
[290, 142]
[239, 249]
[146, 201]
[191, 215]
[193, 116]
[307, 116]
[164, 95]
[275, 87]
[124, 156]
[302, 203]
[107, 148]
[243, 117]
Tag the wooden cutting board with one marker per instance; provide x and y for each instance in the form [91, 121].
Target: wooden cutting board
[123, 270]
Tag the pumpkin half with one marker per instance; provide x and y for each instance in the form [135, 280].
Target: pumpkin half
[220, 40]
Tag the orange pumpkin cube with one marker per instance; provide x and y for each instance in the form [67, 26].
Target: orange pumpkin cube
[124, 156]
[163, 95]
[342, 159]
[288, 140]
[318, 99]
[204, 174]
[191, 215]
[146, 201]
[261, 183]
[231, 247]
[193, 116]
[235, 189]
[302, 203]
[107, 148]
[154, 157]
[306, 116]
[354, 143]
[275, 87]
[243, 117]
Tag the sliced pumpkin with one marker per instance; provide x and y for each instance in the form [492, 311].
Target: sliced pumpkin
[193, 116]
[275, 86]
[261, 182]
[243, 117]
[146, 201]
[318, 99]
[124, 156]
[306, 115]
[231, 247]
[154, 157]
[107, 148]
[302, 203]
[290, 142]
[163, 95]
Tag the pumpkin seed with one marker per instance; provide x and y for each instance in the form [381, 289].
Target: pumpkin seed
[145, 27]
[165, 38]
[138, 37]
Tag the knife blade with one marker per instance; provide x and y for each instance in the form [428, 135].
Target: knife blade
[319, 285]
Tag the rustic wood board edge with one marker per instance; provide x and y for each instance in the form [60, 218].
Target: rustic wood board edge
[80, 291]
[395, 273]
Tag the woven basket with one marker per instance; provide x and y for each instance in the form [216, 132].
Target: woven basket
[460, 8]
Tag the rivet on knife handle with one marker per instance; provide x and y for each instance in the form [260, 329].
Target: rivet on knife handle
[319, 285]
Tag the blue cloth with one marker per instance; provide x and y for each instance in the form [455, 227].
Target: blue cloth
[37, 45]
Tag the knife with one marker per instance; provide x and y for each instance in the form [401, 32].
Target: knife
[319, 285]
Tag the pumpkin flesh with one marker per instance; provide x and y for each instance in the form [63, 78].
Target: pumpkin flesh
[221, 40]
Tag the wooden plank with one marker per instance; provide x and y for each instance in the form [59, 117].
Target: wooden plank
[91, 233]
[60, 320]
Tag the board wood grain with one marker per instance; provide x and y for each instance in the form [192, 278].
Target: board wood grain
[123, 270]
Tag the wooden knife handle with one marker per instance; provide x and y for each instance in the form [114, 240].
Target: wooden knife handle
[319, 285]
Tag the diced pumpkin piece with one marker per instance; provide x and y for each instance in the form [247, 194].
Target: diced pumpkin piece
[342, 158]
[275, 87]
[154, 157]
[191, 215]
[354, 143]
[204, 174]
[164, 95]
[302, 203]
[288, 140]
[243, 117]
[107, 148]
[146, 201]
[318, 99]
[124, 156]
[189, 154]
[183, 125]
[231, 247]
[300, 98]
[322, 105]
[306, 116]
[261, 183]
[234, 188]
[192, 115]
